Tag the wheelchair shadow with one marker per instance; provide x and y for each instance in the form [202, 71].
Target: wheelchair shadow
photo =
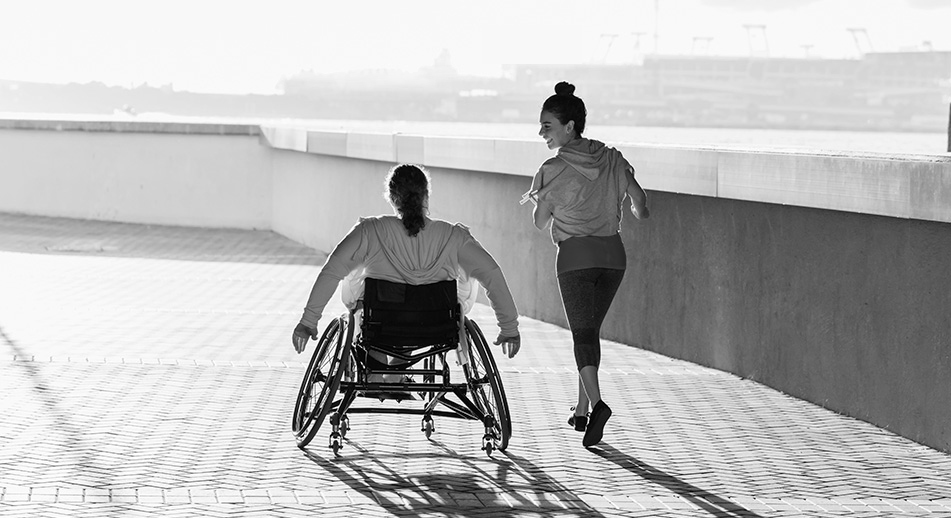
[709, 502]
[524, 485]
[68, 431]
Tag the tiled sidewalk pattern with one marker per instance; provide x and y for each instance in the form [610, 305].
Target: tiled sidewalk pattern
[149, 371]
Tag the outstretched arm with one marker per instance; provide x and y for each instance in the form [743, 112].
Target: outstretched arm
[479, 264]
[338, 265]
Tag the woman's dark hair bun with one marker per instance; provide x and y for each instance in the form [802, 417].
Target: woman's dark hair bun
[564, 88]
[566, 106]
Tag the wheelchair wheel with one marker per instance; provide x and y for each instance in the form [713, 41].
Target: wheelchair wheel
[321, 381]
[487, 391]
[315, 373]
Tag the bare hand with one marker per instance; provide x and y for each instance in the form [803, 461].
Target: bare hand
[301, 335]
[510, 344]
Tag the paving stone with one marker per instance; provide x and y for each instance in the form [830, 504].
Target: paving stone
[172, 391]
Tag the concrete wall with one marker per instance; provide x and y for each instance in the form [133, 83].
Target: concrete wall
[317, 199]
[197, 176]
[822, 276]
[846, 308]
[849, 311]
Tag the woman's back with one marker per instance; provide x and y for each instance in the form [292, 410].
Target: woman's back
[409, 249]
[584, 186]
[390, 253]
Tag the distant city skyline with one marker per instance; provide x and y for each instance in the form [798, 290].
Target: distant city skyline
[248, 46]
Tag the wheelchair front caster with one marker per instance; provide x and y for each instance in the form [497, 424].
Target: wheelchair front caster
[428, 426]
[340, 424]
[344, 426]
[488, 444]
[336, 442]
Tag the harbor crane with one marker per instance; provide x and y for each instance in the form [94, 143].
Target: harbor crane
[863, 43]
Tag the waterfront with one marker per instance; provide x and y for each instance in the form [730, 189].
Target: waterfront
[836, 142]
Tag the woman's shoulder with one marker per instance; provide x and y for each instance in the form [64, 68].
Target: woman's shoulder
[554, 162]
[461, 229]
[455, 231]
[383, 219]
[446, 226]
[377, 225]
[550, 169]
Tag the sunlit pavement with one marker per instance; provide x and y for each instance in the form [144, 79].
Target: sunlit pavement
[149, 371]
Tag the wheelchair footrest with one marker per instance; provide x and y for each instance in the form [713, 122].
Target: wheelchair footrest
[403, 387]
[382, 395]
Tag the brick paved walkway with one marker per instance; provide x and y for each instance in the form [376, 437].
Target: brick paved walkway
[148, 371]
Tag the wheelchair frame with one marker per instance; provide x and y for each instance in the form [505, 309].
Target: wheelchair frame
[340, 367]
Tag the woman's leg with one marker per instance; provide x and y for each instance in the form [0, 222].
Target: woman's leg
[589, 385]
[582, 407]
[587, 295]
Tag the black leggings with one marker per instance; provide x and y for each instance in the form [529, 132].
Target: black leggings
[587, 295]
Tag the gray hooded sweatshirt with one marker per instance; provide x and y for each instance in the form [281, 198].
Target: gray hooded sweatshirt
[584, 184]
[439, 252]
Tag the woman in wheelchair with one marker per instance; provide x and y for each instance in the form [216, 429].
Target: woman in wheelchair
[407, 249]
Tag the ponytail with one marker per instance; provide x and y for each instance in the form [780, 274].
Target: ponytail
[407, 191]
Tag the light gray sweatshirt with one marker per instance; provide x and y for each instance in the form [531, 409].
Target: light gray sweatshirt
[437, 253]
[584, 185]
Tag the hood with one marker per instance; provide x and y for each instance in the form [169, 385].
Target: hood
[588, 157]
[418, 259]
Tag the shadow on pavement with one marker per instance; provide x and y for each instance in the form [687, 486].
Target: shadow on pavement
[527, 489]
[69, 434]
[709, 502]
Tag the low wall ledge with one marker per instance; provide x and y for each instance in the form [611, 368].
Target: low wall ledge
[827, 153]
[131, 126]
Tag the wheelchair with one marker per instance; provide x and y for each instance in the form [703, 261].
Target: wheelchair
[409, 333]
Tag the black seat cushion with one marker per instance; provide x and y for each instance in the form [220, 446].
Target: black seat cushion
[408, 316]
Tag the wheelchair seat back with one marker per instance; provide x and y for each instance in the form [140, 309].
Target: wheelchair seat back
[404, 317]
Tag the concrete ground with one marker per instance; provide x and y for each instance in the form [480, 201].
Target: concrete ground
[148, 370]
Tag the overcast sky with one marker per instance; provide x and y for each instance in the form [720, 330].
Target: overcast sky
[237, 46]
